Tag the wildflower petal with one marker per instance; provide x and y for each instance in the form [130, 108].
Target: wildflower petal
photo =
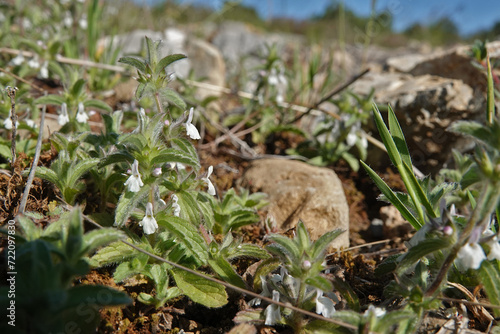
[191, 130]
[63, 116]
[470, 256]
[134, 182]
[324, 305]
[81, 115]
[148, 223]
[211, 188]
[272, 312]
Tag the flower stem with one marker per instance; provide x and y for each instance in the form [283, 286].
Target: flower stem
[485, 200]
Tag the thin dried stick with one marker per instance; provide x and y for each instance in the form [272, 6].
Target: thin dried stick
[31, 175]
[11, 92]
[230, 286]
[332, 93]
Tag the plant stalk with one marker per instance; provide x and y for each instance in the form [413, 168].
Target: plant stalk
[474, 221]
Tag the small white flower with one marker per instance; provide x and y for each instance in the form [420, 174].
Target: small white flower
[63, 116]
[34, 63]
[156, 172]
[470, 256]
[134, 182]
[148, 223]
[31, 123]
[190, 128]
[272, 79]
[81, 115]
[176, 206]
[17, 60]
[7, 123]
[83, 22]
[68, 19]
[377, 311]
[44, 70]
[494, 246]
[324, 305]
[272, 312]
[211, 188]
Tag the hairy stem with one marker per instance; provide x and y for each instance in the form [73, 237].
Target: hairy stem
[476, 219]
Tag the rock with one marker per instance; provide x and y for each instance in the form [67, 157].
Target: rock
[207, 63]
[394, 225]
[300, 191]
[425, 106]
[202, 58]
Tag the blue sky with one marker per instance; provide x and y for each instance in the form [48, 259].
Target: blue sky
[469, 16]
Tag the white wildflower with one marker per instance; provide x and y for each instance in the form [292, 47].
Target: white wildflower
[470, 256]
[377, 311]
[324, 305]
[17, 60]
[134, 182]
[176, 206]
[190, 128]
[63, 116]
[31, 123]
[272, 312]
[44, 70]
[34, 63]
[7, 123]
[211, 188]
[81, 115]
[148, 223]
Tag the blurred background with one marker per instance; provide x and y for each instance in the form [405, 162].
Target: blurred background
[385, 22]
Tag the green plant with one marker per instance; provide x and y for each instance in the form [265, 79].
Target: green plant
[299, 283]
[47, 263]
[334, 138]
[236, 211]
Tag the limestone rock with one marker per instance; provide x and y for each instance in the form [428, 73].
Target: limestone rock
[300, 191]
[425, 106]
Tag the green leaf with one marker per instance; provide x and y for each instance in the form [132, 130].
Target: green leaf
[164, 62]
[265, 268]
[77, 88]
[490, 278]
[186, 234]
[136, 62]
[153, 51]
[173, 97]
[226, 272]
[30, 230]
[391, 196]
[199, 289]
[422, 249]
[398, 137]
[122, 156]
[389, 143]
[78, 170]
[249, 250]
[173, 155]
[290, 248]
[320, 282]
[415, 185]
[50, 99]
[97, 104]
[320, 246]
[114, 253]
[101, 237]
[302, 236]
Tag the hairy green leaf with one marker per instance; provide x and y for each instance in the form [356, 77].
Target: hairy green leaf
[199, 289]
